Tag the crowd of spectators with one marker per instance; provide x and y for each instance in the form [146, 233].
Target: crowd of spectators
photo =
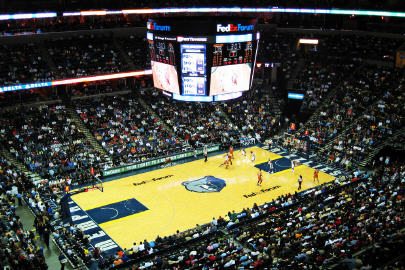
[279, 49]
[194, 123]
[22, 248]
[70, 56]
[20, 97]
[85, 55]
[126, 130]
[360, 47]
[328, 225]
[378, 122]
[136, 49]
[324, 65]
[22, 63]
[319, 76]
[277, 46]
[364, 111]
[334, 59]
[355, 95]
[60, 24]
[50, 144]
[253, 114]
[217, 251]
[19, 248]
[12, 179]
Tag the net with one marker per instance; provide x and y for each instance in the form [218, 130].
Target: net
[98, 184]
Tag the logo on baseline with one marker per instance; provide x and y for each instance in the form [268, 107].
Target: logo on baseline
[234, 27]
[206, 184]
[156, 27]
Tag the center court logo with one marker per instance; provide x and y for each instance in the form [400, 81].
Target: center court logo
[206, 184]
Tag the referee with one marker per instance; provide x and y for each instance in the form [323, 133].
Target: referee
[205, 152]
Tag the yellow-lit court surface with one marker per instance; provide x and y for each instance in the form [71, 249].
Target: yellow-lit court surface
[170, 206]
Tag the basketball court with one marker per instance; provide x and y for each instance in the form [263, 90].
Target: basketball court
[162, 201]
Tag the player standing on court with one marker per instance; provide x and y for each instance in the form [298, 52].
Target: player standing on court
[300, 182]
[231, 152]
[292, 165]
[229, 158]
[316, 175]
[271, 167]
[205, 152]
[259, 178]
[226, 162]
[252, 156]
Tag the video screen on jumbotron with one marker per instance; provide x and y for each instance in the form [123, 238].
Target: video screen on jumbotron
[203, 59]
[165, 77]
[163, 62]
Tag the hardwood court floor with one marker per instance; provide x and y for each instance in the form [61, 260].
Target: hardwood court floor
[145, 205]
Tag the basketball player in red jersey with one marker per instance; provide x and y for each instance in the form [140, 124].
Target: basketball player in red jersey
[229, 158]
[259, 178]
[231, 152]
[316, 175]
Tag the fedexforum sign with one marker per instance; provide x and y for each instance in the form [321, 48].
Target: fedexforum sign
[234, 27]
[156, 27]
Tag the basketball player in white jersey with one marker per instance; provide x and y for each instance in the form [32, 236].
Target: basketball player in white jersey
[271, 167]
[252, 156]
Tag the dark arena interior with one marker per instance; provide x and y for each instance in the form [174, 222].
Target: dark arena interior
[202, 134]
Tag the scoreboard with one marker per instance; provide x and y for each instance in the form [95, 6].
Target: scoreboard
[232, 53]
[193, 69]
[203, 59]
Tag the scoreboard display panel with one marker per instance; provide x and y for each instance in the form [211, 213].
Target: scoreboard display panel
[193, 69]
[207, 59]
[162, 51]
[232, 53]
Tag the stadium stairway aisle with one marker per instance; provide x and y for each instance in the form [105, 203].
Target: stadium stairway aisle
[377, 149]
[89, 136]
[123, 56]
[51, 254]
[33, 176]
[341, 135]
[295, 72]
[228, 119]
[152, 112]
[331, 94]
[275, 104]
[47, 57]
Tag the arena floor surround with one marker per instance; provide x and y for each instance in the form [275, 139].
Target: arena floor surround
[162, 201]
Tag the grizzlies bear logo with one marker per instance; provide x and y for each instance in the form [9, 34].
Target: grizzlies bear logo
[205, 185]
